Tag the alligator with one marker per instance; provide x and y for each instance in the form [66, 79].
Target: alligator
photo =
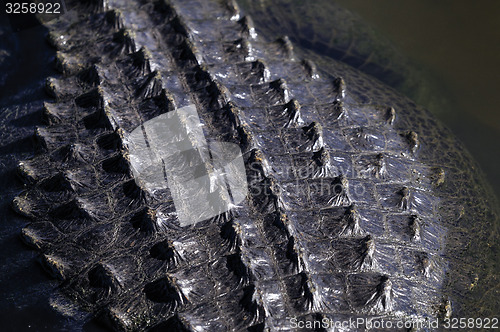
[360, 205]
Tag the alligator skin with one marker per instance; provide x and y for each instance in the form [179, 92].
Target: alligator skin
[359, 203]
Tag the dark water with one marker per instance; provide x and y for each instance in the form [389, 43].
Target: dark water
[458, 43]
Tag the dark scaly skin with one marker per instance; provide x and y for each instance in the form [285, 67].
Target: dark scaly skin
[394, 235]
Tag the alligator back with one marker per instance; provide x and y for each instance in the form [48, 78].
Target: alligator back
[359, 204]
